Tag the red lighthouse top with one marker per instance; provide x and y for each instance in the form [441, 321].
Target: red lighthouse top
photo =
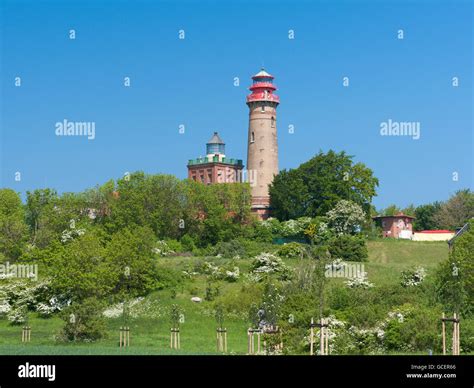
[262, 88]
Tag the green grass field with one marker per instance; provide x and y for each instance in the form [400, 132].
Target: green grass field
[387, 259]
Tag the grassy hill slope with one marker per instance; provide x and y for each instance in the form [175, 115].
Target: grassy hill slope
[387, 258]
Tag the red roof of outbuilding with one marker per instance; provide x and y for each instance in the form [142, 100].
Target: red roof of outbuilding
[436, 231]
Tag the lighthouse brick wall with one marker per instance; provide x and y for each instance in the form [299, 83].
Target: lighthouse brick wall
[262, 145]
[262, 150]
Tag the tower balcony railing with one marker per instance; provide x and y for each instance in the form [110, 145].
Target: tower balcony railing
[263, 85]
[231, 161]
[263, 97]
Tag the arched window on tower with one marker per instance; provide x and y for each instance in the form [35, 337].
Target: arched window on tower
[263, 107]
[273, 122]
[252, 137]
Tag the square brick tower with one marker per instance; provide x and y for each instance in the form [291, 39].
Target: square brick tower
[215, 167]
[262, 146]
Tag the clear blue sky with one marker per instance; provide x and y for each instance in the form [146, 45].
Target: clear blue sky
[190, 82]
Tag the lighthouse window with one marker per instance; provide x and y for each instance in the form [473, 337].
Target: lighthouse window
[263, 108]
[252, 137]
[273, 122]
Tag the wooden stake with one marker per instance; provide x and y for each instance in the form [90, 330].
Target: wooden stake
[249, 342]
[327, 336]
[459, 336]
[175, 341]
[443, 324]
[311, 338]
[26, 334]
[322, 333]
[258, 342]
[225, 340]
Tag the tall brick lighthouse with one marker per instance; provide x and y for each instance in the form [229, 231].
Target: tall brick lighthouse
[262, 146]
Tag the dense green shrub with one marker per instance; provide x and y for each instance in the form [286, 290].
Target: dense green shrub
[340, 298]
[174, 245]
[348, 248]
[296, 313]
[254, 248]
[291, 250]
[187, 243]
[213, 290]
[260, 232]
[238, 303]
[467, 336]
[364, 315]
[83, 322]
[168, 278]
[455, 276]
[415, 329]
[230, 249]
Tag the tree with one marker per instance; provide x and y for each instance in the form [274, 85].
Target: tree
[81, 270]
[100, 198]
[13, 230]
[390, 210]
[214, 213]
[289, 195]
[148, 200]
[456, 211]
[425, 216]
[455, 276]
[174, 208]
[317, 275]
[348, 248]
[346, 217]
[48, 214]
[316, 186]
[83, 321]
[38, 203]
[130, 257]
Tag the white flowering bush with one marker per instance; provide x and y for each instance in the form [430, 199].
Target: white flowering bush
[322, 230]
[268, 264]
[334, 328]
[22, 295]
[413, 277]
[114, 311]
[396, 332]
[336, 265]
[72, 232]
[137, 308]
[363, 341]
[290, 228]
[359, 281]
[51, 306]
[387, 331]
[17, 315]
[5, 307]
[272, 224]
[294, 228]
[346, 217]
[214, 271]
[230, 274]
[162, 248]
[189, 273]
